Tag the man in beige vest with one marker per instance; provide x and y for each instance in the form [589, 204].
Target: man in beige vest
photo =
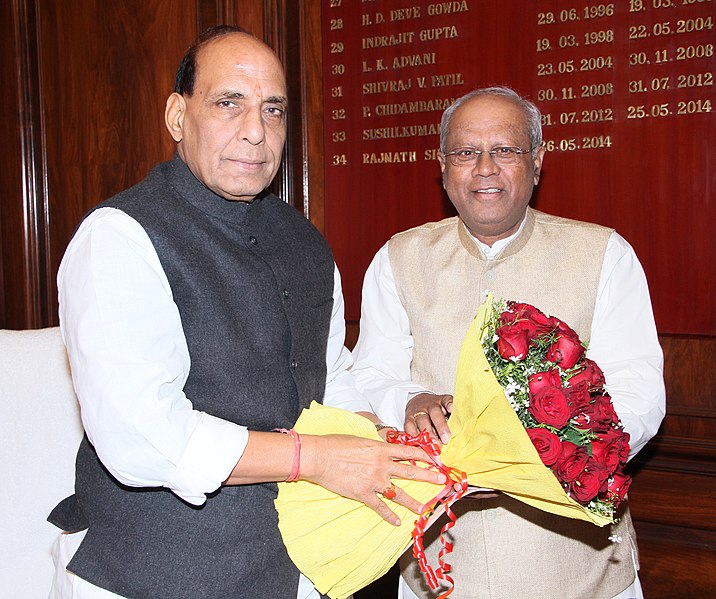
[420, 294]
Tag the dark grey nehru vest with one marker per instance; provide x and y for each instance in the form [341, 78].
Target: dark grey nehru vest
[254, 286]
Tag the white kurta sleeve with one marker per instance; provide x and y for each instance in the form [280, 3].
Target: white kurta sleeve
[341, 390]
[129, 361]
[625, 345]
[385, 347]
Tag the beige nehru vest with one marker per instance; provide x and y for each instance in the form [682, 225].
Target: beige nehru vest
[505, 549]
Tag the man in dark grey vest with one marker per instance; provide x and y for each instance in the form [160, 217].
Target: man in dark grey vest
[200, 315]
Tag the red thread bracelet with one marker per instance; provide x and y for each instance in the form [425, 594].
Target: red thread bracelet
[296, 468]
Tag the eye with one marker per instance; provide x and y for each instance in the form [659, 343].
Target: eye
[465, 153]
[275, 111]
[226, 103]
[504, 151]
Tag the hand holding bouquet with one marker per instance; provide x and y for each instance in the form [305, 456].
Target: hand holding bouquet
[530, 418]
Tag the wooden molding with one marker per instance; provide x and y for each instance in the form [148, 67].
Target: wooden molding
[38, 280]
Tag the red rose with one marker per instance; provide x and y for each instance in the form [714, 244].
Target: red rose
[584, 418]
[589, 482]
[547, 444]
[512, 342]
[536, 320]
[604, 415]
[578, 397]
[571, 462]
[549, 378]
[567, 350]
[589, 373]
[620, 439]
[598, 416]
[617, 488]
[606, 452]
[550, 406]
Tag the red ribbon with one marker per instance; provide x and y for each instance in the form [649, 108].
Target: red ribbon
[446, 497]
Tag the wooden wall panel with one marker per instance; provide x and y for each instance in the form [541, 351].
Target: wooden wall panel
[83, 87]
[23, 217]
[106, 70]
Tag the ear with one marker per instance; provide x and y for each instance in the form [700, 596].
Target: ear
[174, 116]
[441, 160]
[538, 163]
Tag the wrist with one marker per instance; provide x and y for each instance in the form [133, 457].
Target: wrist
[312, 457]
[383, 430]
[296, 463]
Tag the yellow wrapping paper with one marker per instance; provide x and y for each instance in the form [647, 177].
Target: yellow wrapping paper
[342, 545]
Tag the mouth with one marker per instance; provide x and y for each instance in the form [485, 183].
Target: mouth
[488, 190]
[246, 163]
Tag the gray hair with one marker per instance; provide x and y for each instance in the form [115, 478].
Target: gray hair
[533, 117]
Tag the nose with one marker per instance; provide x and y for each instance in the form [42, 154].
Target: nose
[485, 165]
[251, 127]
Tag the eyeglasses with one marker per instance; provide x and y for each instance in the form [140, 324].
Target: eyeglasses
[500, 154]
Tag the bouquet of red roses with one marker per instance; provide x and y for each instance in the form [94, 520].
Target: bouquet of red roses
[560, 399]
[530, 418]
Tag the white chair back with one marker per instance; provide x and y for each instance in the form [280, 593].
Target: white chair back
[41, 431]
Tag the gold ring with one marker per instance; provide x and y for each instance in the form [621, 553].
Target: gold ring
[420, 413]
[389, 492]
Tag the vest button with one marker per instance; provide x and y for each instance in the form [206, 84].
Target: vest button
[294, 364]
[253, 240]
[285, 293]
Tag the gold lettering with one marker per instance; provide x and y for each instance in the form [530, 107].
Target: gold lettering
[430, 155]
[401, 131]
[379, 65]
[389, 157]
[438, 33]
[395, 85]
[445, 80]
[414, 60]
[402, 14]
[383, 41]
[445, 8]
[412, 107]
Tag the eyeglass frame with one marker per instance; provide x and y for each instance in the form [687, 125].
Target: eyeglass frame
[478, 154]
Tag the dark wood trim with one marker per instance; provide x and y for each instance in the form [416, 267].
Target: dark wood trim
[283, 39]
[312, 100]
[293, 30]
[38, 280]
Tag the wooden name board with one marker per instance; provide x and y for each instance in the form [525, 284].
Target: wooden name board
[626, 90]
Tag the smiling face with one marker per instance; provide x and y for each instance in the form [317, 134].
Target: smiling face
[490, 198]
[231, 130]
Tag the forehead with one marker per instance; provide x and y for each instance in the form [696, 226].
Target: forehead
[239, 60]
[489, 117]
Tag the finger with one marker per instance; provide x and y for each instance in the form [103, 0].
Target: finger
[422, 420]
[439, 423]
[446, 403]
[425, 421]
[407, 501]
[410, 426]
[407, 471]
[381, 508]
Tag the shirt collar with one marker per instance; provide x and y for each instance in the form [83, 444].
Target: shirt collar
[492, 252]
